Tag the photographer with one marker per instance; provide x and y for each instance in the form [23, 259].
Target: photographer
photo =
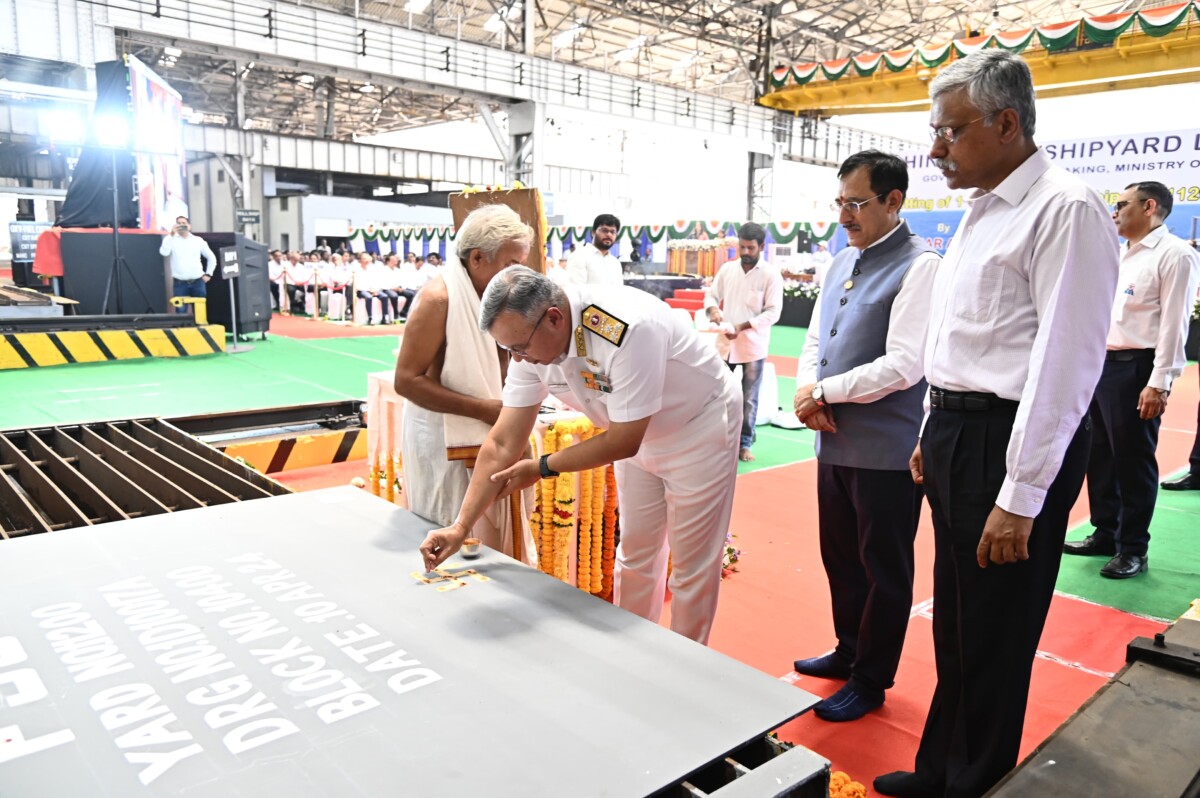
[184, 252]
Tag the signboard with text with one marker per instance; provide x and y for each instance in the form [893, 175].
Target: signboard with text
[293, 646]
[24, 236]
[1106, 163]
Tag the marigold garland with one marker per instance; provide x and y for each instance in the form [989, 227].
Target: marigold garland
[583, 567]
[560, 512]
[609, 558]
[564, 516]
[597, 585]
[842, 786]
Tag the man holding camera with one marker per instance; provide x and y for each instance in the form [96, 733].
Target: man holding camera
[184, 251]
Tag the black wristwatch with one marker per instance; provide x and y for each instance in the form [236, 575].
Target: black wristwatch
[544, 467]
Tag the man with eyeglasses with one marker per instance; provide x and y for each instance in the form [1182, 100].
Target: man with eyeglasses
[671, 414]
[861, 388]
[1013, 352]
[593, 264]
[1150, 318]
[452, 375]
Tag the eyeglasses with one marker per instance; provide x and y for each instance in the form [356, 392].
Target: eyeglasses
[524, 348]
[949, 134]
[1117, 206]
[853, 207]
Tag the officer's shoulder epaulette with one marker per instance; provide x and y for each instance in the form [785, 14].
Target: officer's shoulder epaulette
[604, 324]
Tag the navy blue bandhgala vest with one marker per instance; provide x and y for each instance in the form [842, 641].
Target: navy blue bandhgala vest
[854, 328]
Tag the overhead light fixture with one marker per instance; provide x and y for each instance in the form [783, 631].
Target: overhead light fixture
[417, 6]
[307, 80]
[494, 24]
[686, 63]
[367, 88]
[631, 51]
[567, 37]
[173, 52]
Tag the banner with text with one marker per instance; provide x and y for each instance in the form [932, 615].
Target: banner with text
[1106, 163]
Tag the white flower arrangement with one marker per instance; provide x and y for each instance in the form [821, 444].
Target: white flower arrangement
[803, 290]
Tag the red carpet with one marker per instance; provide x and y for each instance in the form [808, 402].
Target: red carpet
[306, 327]
[775, 609]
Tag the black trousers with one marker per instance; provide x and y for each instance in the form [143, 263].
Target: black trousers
[868, 521]
[408, 295]
[1123, 472]
[1194, 460]
[986, 621]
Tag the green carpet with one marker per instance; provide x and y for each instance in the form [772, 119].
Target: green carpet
[279, 371]
[1164, 591]
[775, 446]
[787, 341]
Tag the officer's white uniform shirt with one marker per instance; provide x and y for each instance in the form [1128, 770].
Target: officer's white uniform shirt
[590, 266]
[1156, 290]
[662, 368]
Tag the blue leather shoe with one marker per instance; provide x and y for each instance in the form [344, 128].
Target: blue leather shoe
[849, 703]
[829, 666]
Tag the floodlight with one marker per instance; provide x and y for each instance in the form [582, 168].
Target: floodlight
[417, 6]
[63, 125]
[173, 52]
[111, 131]
[494, 24]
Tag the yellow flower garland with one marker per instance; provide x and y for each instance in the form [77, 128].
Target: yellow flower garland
[609, 558]
[597, 585]
[564, 515]
[559, 512]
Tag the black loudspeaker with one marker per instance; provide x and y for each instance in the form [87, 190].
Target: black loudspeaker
[251, 288]
[87, 264]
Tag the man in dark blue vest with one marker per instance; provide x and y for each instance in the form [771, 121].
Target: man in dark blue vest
[862, 390]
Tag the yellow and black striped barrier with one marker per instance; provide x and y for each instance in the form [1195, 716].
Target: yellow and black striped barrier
[305, 451]
[31, 349]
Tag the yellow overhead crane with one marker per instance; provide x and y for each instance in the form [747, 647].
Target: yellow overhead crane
[1133, 61]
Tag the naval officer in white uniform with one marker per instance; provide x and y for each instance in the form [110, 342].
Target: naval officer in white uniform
[672, 414]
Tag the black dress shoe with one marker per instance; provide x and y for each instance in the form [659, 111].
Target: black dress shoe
[1189, 481]
[904, 784]
[1124, 566]
[829, 666]
[1089, 546]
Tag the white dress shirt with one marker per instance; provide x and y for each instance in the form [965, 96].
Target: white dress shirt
[755, 296]
[590, 266]
[183, 254]
[902, 364]
[662, 369]
[1153, 307]
[410, 280]
[1014, 314]
[424, 274]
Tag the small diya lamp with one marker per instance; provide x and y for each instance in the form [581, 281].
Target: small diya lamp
[471, 548]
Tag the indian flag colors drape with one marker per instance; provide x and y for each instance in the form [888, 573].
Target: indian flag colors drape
[1052, 37]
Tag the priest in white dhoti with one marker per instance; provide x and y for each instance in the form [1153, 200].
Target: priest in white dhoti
[452, 376]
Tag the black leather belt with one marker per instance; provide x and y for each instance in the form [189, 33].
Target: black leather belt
[1125, 355]
[968, 402]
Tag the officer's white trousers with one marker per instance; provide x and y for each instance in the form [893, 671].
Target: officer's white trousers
[678, 492]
